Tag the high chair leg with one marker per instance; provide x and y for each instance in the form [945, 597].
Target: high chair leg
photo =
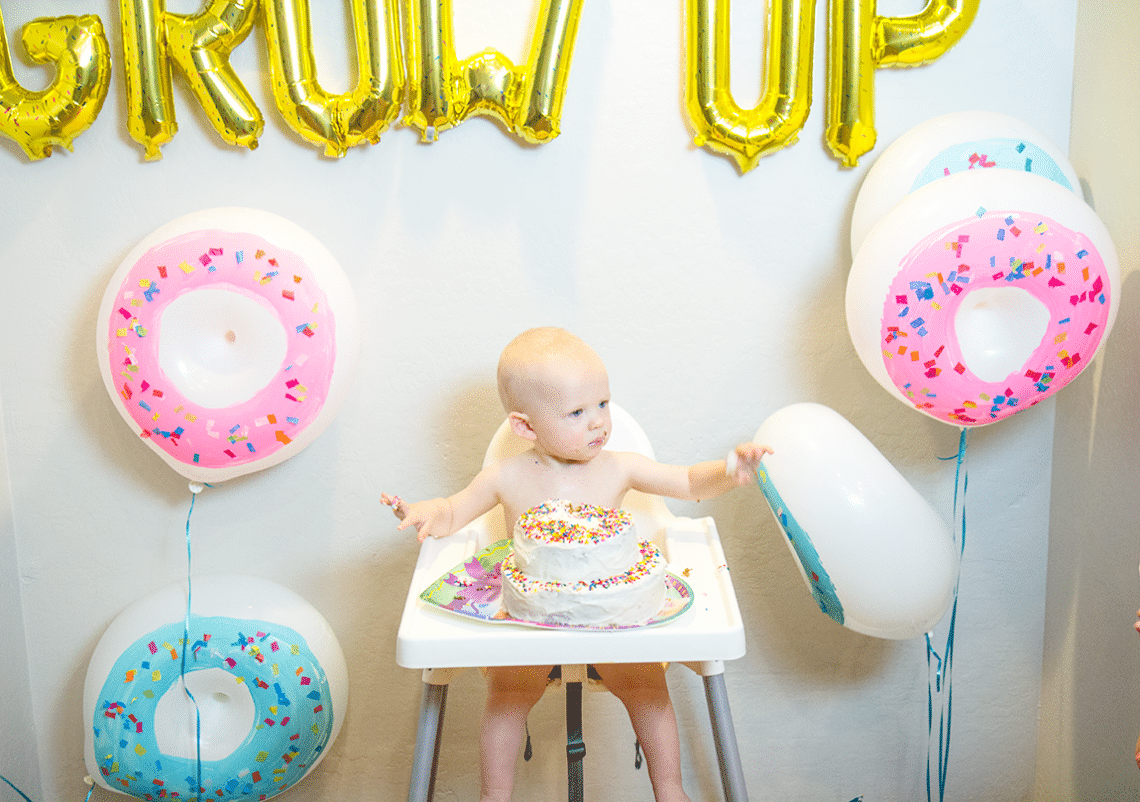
[724, 737]
[575, 746]
[425, 758]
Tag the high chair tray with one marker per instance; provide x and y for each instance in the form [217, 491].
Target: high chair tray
[473, 589]
[709, 628]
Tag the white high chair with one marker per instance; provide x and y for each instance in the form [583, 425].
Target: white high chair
[443, 644]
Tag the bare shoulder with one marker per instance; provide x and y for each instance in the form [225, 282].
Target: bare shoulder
[515, 465]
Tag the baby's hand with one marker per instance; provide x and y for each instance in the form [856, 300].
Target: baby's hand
[428, 517]
[744, 460]
[399, 507]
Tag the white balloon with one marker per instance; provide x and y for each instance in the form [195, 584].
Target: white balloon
[266, 673]
[875, 555]
[965, 140]
[228, 340]
[981, 294]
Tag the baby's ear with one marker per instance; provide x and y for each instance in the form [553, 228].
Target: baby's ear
[520, 425]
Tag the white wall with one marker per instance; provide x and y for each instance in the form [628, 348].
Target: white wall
[715, 299]
[18, 754]
[1090, 711]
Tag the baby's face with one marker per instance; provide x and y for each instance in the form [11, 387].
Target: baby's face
[570, 415]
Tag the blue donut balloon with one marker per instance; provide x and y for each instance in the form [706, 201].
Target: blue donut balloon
[874, 554]
[963, 141]
[241, 709]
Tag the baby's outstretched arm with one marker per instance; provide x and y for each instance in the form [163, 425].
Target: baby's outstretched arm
[440, 517]
[709, 479]
[700, 481]
[431, 517]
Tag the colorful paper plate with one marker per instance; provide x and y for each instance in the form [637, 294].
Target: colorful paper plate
[473, 589]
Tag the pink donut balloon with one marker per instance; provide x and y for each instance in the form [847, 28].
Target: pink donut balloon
[227, 340]
[982, 294]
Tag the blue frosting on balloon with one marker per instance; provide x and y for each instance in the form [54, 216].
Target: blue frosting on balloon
[1009, 154]
[289, 689]
[821, 588]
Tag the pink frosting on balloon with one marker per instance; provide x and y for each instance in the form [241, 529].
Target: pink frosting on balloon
[1058, 267]
[243, 263]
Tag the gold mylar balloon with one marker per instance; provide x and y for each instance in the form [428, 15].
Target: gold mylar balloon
[922, 37]
[336, 122]
[201, 44]
[721, 124]
[443, 92]
[37, 121]
[150, 102]
[860, 42]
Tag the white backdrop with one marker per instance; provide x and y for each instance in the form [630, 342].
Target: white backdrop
[714, 298]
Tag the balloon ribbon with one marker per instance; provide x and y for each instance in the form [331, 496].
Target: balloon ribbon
[186, 648]
[940, 683]
[90, 790]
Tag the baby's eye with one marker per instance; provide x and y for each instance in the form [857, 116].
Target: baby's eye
[603, 405]
[576, 413]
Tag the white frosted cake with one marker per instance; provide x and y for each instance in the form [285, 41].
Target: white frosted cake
[583, 565]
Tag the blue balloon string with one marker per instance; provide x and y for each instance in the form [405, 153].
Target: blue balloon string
[14, 788]
[186, 648]
[186, 690]
[87, 798]
[942, 674]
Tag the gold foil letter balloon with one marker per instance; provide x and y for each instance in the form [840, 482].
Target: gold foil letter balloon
[859, 42]
[719, 122]
[37, 121]
[443, 92]
[336, 122]
[150, 102]
[200, 45]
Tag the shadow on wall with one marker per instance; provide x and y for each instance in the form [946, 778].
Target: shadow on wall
[1091, 670]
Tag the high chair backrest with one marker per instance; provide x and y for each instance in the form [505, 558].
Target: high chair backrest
[649, 512]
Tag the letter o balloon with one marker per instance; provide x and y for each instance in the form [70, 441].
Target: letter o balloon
[982, 294]
[965, 141]
[875, 555]
[228, 339]
[242, 706]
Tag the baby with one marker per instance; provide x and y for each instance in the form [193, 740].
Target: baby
[556, 393]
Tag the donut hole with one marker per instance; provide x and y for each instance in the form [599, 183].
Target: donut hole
[224, 708]
[220, 348]
[998, 329]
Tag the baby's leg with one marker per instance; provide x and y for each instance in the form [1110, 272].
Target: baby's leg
[511, 692]
[641, 688]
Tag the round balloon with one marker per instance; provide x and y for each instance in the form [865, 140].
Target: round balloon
[875, 555]
[228, 340]
[954, 143]
[982, 294]
[243, 708]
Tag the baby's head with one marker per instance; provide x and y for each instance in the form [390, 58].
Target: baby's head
[536, 361]
[556, 393]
